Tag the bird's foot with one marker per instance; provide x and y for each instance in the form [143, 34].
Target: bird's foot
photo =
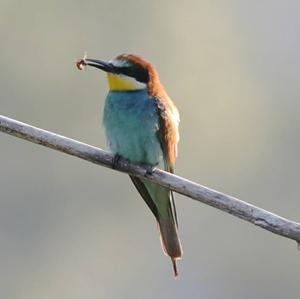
[115, 161]
[150, 169]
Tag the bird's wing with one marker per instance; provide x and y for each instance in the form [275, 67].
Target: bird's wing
[168, 131]
[168, 136]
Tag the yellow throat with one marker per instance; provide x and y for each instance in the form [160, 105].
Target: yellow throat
[123, 83]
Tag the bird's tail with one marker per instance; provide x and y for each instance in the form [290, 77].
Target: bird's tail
[160, 200]
[170, 240]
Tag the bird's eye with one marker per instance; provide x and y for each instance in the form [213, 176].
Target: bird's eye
[128, 71]
[139, 73]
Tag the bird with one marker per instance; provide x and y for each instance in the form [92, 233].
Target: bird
[141, 125]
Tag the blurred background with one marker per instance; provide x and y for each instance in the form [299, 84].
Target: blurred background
[70, 229]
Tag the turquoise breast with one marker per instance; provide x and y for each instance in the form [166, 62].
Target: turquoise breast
[131, 124]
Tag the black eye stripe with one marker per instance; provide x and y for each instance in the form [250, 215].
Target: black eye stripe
[139, 73]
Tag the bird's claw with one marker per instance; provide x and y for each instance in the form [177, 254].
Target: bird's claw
[150, 169]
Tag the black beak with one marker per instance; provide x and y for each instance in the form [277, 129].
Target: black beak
[99, 64]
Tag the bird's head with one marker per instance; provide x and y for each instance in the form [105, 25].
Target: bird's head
[127, 72]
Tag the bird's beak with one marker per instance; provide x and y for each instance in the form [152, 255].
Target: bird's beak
[99, 64]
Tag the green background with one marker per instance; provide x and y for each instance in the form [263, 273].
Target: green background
[70, 229]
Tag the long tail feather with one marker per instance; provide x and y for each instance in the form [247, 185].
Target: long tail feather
[174, 262]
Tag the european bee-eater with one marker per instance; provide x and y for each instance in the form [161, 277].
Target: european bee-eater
[141, 125]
